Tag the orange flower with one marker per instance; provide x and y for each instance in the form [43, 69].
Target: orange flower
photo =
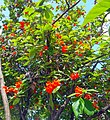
[26, 13]
[45, 47]
[14, 53]
[18, 84]
[55, 83]
[80, 42]
[74, 24]
[11, 106]
[78, 91]
[80, 55]
[49, 89]
[50, 86]
[11, 89]
[54, 26]
[58, 35]
[15, 91]
[12, 34]
[5, 27]
[75, 42]
[40, 53]
[6, 88]
[74, 76]
[22, 23]
[61, 42]
[87, 96]
[64, 49]
[3, 47]
[27, 23]
[95, 105]
[68, 17]
[1, 39]
[78, 11]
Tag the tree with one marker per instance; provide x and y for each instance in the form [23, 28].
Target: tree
[53, 67]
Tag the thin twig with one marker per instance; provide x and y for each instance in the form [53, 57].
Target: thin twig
[67, 3]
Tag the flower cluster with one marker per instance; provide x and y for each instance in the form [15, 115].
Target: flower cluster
[78, 91]
[22, 24]
[12, 89]
[74, 76]
[50, 86]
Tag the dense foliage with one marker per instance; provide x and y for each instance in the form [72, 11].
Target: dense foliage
[54, 68]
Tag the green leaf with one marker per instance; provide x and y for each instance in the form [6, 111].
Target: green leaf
[98, 9]
[32, 53]
[88, 108]
[84, 1]
[26, 63]
[16, 101]
[56, 89]
[92, 90]
[40, 3]
[98, 1]
[51, 102]
[22, 58]
[48, 14]
[78, 107]
[109, 31]
[71, 95]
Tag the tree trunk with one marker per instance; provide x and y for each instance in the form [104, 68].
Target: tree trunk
[4, 96]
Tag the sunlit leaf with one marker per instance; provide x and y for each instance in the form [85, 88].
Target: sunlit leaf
[78, 107]
[98, 9]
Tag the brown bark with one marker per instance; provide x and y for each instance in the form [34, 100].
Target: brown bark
[4, 96]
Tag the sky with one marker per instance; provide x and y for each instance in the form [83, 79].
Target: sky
[89, 4]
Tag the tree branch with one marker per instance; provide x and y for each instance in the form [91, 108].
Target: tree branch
[65, 12]
[100, 112]
[93, 68]
[101, 30]
[92, 60]
[63, 106]
[67, 3]
[4, 96]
